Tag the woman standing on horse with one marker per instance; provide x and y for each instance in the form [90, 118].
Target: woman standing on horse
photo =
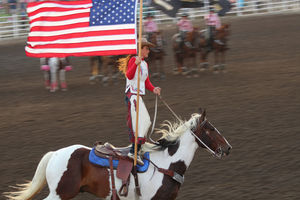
[129, 66]
[213, 23]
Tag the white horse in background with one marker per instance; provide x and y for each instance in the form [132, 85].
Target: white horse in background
[50, 66]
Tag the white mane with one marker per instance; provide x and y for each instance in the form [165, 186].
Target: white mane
[173, 131]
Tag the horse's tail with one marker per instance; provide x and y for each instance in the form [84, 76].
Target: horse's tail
[28, 190]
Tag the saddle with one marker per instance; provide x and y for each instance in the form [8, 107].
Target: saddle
[108, 149]
[124, 167]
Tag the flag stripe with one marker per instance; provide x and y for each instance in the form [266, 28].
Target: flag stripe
[85, 30]
[34, 6]
[92, 53]
[45, 40]
[77, 24]
[86, 44]
[64, 29]
[54, 18]
[56, 12]
[60, 23]
[80, 49]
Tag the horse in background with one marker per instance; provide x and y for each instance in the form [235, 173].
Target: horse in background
[68, 171]
[50, 66]
[219, 47]
[104, 68]
[156, 55]
[186, 50]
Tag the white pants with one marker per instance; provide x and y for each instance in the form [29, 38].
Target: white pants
[144, 118]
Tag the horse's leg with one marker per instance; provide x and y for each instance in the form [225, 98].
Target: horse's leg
[194, 64]
[162, 67]
[178, 68]
[94, 68]
[180, 64]
[45, 68]
[216, 65]
[47, 79]
[105, 69]
[62, 79]
[53, 63]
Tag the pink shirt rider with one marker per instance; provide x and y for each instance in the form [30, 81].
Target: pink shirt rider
[185, 25]
[213, 19]
[150, 26]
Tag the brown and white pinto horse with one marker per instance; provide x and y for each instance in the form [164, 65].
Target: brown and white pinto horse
[182, 51]
[156, 55]
[68, 171]
[219, 48]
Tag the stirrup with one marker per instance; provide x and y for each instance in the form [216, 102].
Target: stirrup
[138, 158]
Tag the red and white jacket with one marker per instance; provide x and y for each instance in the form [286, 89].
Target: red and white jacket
[132, 77]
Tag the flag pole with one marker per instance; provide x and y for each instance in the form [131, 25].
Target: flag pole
[138, 84]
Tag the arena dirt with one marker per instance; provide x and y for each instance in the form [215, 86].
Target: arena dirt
[255, 104]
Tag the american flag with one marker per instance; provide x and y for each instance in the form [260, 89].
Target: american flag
[81, 28]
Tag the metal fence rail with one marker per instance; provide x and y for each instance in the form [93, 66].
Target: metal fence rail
[17, 26]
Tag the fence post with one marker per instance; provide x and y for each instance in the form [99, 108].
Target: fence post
[15, 25]
[268, 6]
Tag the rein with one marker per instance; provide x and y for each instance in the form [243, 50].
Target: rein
[202, 124]
[154, 120]
[174, 175]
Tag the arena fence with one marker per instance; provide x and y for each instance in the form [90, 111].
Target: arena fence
[17, 26]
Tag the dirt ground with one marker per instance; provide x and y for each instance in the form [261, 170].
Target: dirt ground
[256, 105]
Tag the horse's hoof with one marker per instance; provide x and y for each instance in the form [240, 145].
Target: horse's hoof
[63, 86]
[216, 67]
[175, 71]
[222, 67]
[53, 87]
[47, 84]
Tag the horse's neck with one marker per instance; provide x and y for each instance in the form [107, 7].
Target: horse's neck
[185, 152]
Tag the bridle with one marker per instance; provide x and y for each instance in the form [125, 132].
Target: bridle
[174, 175]
[176, 116]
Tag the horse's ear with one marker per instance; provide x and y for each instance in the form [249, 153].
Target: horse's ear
[202, 112]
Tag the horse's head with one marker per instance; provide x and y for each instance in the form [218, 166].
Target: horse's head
[223, 31]
[207, 136]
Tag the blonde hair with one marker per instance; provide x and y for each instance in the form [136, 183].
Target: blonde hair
[123, 64]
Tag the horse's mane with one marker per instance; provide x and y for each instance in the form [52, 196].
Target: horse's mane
[171, 133]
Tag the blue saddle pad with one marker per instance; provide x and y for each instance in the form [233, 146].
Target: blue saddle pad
[105, 162]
